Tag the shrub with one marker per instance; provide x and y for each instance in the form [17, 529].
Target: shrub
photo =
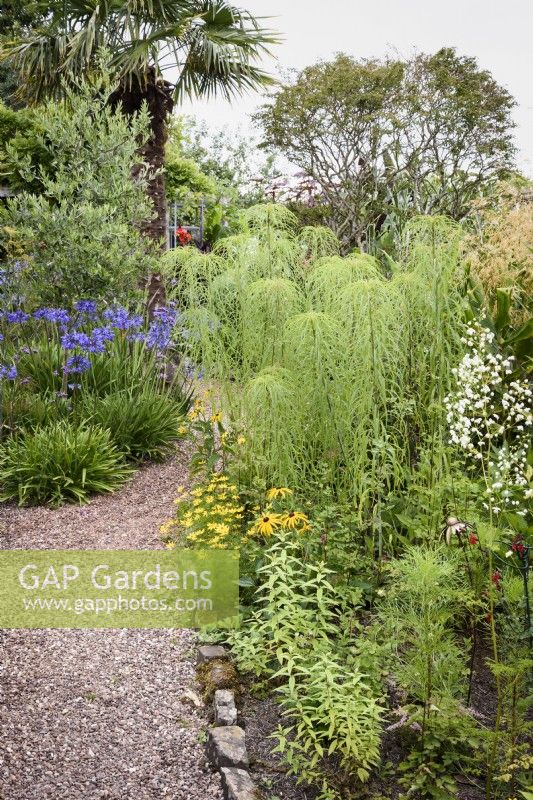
[60, 463]
[143, 425]
[80, 234]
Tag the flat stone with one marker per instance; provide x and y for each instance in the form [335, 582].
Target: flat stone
[225, 708]
[209, 652]
[226, 747]
[237, 784]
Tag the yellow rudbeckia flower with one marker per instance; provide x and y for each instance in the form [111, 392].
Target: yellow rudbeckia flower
[278, 491]
[267, 524]
[295, 519]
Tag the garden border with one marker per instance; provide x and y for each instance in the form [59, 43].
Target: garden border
[226, 741]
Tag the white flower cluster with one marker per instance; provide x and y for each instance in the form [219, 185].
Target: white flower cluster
[489, 417]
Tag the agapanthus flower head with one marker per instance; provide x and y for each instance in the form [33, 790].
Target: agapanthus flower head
[57, 315]
[99, 339]
[8, 372]
[121, 319]
[159, 333]
[76, 364]
[75, 340]
[17, 317]
[136, 337]
[166, 314]
[86, 307]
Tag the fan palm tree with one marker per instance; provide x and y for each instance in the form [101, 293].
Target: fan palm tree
[210, 48]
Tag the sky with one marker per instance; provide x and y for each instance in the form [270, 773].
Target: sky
[497, 33]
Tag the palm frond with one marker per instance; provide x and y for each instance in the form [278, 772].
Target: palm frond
[214, 45]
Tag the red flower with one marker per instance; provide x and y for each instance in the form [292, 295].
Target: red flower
[496, 578]
[518, 546]
[183, 236]
[473, 538]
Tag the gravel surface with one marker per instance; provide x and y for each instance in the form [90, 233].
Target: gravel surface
[90, 714]
[129, 518]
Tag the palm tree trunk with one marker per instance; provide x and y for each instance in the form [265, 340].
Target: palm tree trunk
[157, 93]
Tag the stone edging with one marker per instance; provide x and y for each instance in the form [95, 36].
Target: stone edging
[226, 742]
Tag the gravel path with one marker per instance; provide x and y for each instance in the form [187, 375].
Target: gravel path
[93, 714]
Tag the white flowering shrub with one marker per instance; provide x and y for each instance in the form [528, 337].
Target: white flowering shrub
[490, 417]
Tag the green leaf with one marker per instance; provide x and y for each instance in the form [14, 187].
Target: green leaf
[503, 306]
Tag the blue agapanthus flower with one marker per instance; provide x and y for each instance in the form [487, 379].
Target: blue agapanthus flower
[74, 340]
[102, 334]
[58, 315]
[17, 317]
[136, 337]
[121, 319]
[86, 307]
[76, 364]
[8, 372]
[160, 331]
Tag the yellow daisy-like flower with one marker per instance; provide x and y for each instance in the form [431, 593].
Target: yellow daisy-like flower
[278, 491]
[216, 417]
[182, 430]
[267, 524]
[170, 545]
[241, 440]
[295, 519]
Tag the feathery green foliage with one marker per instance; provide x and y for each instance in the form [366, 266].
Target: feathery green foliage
[327, 365]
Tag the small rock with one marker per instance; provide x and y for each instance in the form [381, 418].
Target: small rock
[225, 708]
[226, 747]
[192, 697]
[214, 675]
[237, 784]
[222, 676]
[209, 652]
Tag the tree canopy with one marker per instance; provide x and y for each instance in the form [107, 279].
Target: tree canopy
[386, 139]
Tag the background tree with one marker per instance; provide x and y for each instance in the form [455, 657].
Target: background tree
[211, 45]
[16, 19]
[386, 139]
